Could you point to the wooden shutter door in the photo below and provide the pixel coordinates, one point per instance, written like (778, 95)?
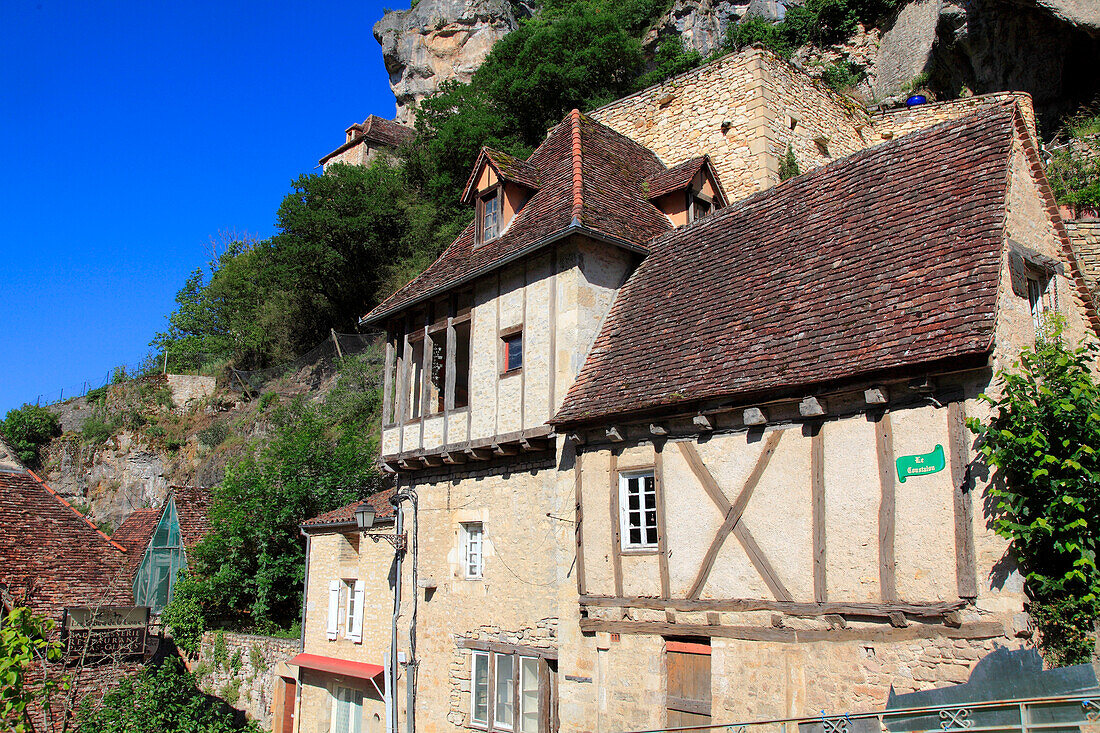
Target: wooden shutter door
(688, 683)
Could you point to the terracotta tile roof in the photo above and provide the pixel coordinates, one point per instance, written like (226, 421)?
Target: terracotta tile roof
(134, 534)
(192, 507)
(137, 529)
(592, 181)
(51, 555)
(377, 130)
(509, 167)
(886, 259)
(387, 132)
(676, 177)
(346, 514)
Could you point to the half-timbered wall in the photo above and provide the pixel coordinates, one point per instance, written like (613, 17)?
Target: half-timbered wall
(790, 514)
(557, 298)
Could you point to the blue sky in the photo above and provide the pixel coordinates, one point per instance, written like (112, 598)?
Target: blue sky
(133, 132)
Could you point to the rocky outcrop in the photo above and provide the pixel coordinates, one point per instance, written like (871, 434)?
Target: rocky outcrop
(438, 40)
(1048, 48)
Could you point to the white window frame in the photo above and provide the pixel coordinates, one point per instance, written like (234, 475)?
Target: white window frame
(353, 609)
(625, 511)
(474, 656)
(473, 567)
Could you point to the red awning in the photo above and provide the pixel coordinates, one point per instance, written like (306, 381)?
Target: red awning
(362, 670)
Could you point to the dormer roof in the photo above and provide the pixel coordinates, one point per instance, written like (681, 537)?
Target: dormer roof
(507, 167)
(591, 182)
(680, 176)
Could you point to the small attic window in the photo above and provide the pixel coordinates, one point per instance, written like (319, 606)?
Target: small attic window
(701, 206)
(488, 215)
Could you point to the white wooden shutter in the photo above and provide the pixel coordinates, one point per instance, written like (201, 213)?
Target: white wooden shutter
(357, 616)
(333, 608)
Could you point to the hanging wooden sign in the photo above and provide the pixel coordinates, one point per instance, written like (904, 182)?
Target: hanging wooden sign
(921, 464)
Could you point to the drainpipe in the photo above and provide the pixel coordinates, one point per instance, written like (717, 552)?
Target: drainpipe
(413, 664)
(399, 527)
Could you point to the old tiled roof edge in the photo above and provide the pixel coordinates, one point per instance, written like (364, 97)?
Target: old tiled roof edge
(571, 415)
(530, 177)
(1031, 150)
(378, 315)
(75, 511)
(344, 516)
(578, 167)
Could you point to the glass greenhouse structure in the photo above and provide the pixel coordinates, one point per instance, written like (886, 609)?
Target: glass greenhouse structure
(163, 559)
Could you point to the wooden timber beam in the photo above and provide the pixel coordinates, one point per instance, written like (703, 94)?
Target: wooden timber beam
(930, 609)
(980, 630)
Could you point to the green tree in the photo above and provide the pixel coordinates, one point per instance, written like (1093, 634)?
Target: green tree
(183, 615)
(249, 568)
(1042, 439)
(27, 430)
(162, 698)
(25, 652)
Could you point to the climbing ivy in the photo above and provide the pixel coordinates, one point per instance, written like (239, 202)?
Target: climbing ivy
(1042, 439)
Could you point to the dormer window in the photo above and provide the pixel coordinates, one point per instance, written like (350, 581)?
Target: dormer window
(488, 207)
(701, 205)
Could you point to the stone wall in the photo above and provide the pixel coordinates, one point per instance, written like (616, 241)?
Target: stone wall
(1084, 237)
(187, 387)
(892, 123)
(242, 669)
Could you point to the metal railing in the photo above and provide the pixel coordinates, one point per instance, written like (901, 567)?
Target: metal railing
(1026, 715)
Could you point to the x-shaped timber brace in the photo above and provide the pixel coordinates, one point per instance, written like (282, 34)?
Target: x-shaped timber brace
(733, 522)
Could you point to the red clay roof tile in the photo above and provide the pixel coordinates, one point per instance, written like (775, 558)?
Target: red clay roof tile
(345, 515)
(51, 555)
(591, 177)
(885, 259)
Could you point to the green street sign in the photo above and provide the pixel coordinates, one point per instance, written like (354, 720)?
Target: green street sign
(922, 464)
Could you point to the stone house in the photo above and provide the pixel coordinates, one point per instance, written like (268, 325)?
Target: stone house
(346, 626)
(675, 444)
(368, 139)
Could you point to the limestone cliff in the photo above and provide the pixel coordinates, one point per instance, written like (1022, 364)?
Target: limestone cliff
(438, 40)
(1049, 48)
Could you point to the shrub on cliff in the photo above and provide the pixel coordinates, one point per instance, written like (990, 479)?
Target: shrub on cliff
(248, 570)
(27, 430)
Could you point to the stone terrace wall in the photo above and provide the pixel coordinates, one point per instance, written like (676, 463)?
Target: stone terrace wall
(893, 123)
(187, 387)
(1084, 237)
(819, 124)
(241, 669)
(718, 108)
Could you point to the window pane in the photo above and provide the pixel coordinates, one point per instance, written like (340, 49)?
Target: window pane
(462, 364)
(437, 380)
(513, 352)
(528, 695)
(502, 713)
(473, 533)
(480, 689)
(394, 363)
(416, 373)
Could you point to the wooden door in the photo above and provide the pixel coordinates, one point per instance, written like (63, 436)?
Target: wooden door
(285, 694)
(688, 701)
